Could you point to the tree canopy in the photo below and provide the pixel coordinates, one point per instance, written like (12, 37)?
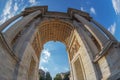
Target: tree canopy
(58, 77)
(48, 76)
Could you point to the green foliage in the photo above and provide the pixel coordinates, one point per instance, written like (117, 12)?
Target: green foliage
(58, 77)
(62, 76)
(66, 77)
(48, 76)
(42, 78)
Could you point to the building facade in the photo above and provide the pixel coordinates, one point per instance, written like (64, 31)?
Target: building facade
(94, 53)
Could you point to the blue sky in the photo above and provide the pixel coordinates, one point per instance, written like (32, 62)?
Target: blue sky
(106, 12)
(54, 58)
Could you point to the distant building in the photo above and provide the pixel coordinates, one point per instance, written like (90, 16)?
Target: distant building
(65, 75)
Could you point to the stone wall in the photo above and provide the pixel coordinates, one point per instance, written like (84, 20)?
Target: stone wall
(86, 44)
(25, 64)
(7, 64)
(110, 63)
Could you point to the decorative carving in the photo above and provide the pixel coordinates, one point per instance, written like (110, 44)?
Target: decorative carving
(36, 44)
(74, 47)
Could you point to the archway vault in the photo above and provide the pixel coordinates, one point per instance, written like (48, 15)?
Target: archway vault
(56, 30)
(92, 50)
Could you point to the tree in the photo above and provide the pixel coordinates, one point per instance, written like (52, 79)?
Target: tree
(66, 76)
(58, 77)
(48, 76)
(41, 74)
(42, 78)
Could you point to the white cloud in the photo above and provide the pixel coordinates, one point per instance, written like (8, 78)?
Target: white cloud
(32, 1)
(15, 7)
(112, 28)
(81, 8)
(45, 56)
(7, 9)
(116, 6)
(3, 20)
(44, 68)
(92, 10)
(6, 12)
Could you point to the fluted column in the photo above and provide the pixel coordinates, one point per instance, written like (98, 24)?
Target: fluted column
(110, 36)
(99, 36)
(9, 21)
(18, 26)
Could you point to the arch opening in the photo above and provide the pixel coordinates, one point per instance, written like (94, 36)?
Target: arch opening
(55, 30)
(54, 58)
(58, 30)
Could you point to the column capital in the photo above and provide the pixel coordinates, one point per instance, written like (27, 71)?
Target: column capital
(72, 11)
(98, 35)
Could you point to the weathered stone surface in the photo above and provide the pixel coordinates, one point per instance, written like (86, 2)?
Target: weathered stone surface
(7, 64)
(11, 32)
(84, 44)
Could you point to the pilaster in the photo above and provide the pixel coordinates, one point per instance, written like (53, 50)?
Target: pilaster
(11, 33)
(100, 37)
(110, 36)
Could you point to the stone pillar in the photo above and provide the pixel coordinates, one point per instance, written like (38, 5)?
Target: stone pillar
(99, 36)
(9, 21)
(18, 26)
(110, 36)
(87, 50)
(71, 69)
(87, 39)
(27, 36)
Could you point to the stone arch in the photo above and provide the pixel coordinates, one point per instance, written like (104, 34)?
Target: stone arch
(50, 29)
(56, 30)
(20, 44)
(59, 27)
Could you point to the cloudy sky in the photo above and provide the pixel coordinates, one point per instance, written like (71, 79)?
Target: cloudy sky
(54, 58)
(106, 12)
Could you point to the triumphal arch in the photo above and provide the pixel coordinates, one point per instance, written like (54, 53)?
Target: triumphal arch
(94, 53)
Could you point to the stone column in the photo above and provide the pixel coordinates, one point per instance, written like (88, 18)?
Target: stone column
(99, 36)
(25, 37)
(86, 38)
(90, 51)
(110, 36)
(9, 21)
(71, 69)
(18, 26)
